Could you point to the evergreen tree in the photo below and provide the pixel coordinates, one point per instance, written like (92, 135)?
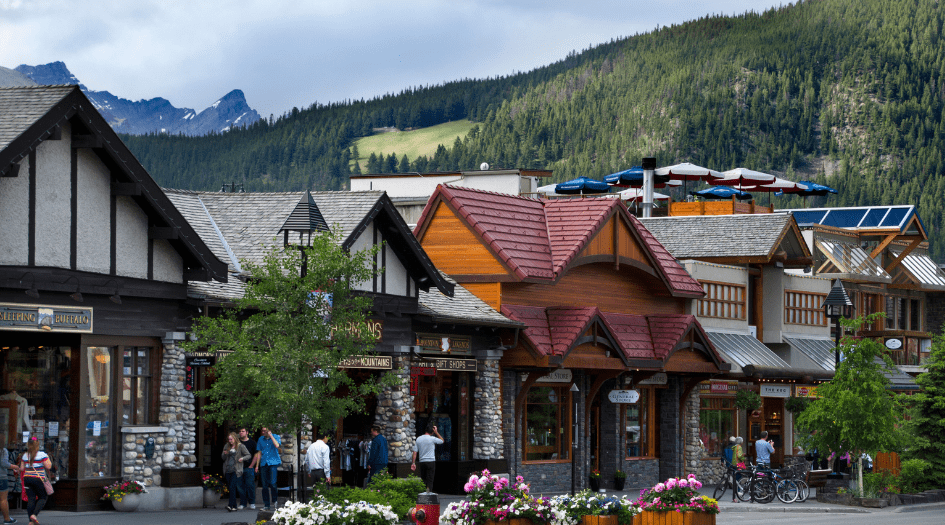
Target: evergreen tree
(927, 410)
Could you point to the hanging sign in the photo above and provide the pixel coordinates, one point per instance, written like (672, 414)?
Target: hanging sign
(444, 364)
(562, 375)
(656, 379)
(374, 362)
(805, 391)
(41, 318)
(624, 396)
(893, 343)
(775, 390)
(444, 344)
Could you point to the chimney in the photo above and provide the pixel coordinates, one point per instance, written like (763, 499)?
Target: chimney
(649, 165)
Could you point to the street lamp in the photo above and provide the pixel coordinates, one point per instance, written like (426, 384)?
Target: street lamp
(305, 221)
(837, 305)
(574, 441)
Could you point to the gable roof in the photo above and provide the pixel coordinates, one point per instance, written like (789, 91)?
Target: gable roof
(538, 239)
(244, 226)
(30, 115)
(730, 236)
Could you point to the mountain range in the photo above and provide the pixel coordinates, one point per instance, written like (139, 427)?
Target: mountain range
(141, 117)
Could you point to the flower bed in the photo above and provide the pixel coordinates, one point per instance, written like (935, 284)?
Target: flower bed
(322, 512)
(118, 490)
(677, 494)
(590, 504)
(494, 499)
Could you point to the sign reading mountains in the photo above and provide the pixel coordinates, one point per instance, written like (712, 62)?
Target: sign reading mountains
(143, 116)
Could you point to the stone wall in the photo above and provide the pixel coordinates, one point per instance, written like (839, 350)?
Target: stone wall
(395, 415)
(671, 446)
(174, 437)
(934, 312)
(488, 440)
(706, 470)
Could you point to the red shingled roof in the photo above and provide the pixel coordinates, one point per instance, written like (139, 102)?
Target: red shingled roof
(537, 239)
(553, 331)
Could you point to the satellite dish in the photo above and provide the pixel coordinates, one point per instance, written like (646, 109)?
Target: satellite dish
(484, 166)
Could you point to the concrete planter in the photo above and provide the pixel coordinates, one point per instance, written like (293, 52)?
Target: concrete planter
(128, 503)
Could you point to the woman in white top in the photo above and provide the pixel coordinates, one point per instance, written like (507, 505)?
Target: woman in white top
(34, 464)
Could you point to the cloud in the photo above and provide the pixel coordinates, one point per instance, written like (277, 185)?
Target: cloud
(286, 54)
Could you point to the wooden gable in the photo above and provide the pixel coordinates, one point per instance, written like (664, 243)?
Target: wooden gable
(457, 250)
(614, 241)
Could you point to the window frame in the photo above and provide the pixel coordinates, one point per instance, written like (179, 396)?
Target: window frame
(711, 305)
(808, 310)
(565, 420)
(133, 379)
(734, 417)
(648, 395)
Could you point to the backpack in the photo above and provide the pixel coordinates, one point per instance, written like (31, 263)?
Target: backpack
(728, 453)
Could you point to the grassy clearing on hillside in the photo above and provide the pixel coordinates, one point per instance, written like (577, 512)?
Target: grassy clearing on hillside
(412, 143)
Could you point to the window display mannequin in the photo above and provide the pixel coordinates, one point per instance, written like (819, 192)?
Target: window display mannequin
(22, 411)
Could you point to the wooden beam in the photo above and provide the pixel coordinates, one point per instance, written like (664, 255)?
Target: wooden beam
(55, 133)
(13, 170)
(155, 232)
(882, 246)
(87, 141)
(131, 189)
(903, 254)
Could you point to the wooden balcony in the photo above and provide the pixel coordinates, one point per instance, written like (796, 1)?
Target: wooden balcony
(732, 207)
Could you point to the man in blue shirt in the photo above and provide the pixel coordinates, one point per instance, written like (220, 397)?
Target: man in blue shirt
(763, 450)
(269, 461)
(377, 460)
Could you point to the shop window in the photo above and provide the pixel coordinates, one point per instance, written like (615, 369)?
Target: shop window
(136, 385)
(722, 300)
(98, 409)
(716, 424)
(547, 423)
(804, 308)
(636, 419)
(914, 316)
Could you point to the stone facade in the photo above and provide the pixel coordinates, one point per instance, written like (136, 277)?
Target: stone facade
(395, 414)
(706, 470)
(488, 439)
(175, 437)
(671, 446)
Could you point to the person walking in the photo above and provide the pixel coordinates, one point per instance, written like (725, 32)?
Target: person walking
(738, 457)
(424, 451)
(377, 460)
(269, 446)
(5, 484)
(318, 459)
(763, 450)
(34, 464)
(248, 494)
(234, 454)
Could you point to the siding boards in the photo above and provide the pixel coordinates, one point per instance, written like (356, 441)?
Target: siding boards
(603, 242)
(456, 250)
(490, 293)
(623, 291)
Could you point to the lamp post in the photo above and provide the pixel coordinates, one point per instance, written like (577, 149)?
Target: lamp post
(837, 305)
(574, 440)
(305, 221)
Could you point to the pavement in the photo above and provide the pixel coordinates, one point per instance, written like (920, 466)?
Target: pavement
(219, 515)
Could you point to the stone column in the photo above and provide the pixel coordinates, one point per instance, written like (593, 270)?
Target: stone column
(395, 414)
(488, 440)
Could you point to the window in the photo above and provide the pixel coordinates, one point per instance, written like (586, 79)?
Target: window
(136, 385)
(716, 424)
(914, 316)
(723, 300)
(637, 431)
(804, 308)
(98, 432)
(547, 423)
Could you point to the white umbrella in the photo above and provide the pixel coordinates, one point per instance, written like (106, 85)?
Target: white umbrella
(743, 177)
(635, 194)
(687, 172)
(548, 191)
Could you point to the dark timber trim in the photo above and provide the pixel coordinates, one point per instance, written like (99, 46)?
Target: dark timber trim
(31, 243)
(74, 208)
(113, 235)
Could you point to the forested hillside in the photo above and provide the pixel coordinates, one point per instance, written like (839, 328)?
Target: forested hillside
(847, 91)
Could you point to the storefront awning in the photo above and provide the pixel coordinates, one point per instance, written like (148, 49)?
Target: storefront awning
(745, 349)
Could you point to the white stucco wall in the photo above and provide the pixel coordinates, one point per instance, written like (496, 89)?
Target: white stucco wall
(395, 273)
(168, 264)
(14, 215)
(53, 202)
(131, 239)
(417, 185)
(94, 223)
(806, 283)
(719, 273)
(772, 282)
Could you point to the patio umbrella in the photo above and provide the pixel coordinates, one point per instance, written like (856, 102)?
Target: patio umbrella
(721, 192)
(636, 194)
(743, 177)
(815, 189)
(687, 172)
(779, 185)
(581, 186)
(633, 178)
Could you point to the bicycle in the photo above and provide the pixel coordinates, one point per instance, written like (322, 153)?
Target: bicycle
(726, 482)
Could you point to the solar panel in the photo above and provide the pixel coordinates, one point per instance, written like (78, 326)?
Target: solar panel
(809, 217)
(860, 217)
(895, 217)
(844, 218)
(873, 217)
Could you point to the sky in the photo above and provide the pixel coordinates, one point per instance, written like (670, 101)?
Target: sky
(293, 53)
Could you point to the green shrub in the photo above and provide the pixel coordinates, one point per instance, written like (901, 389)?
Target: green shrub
(400, 493)
(914, 475)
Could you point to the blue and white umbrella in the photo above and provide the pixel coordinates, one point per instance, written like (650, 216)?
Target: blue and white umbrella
(581, 186)
(722, 192)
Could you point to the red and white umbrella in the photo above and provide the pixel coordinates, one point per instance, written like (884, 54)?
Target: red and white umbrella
(779, 184)
(687, 171)
(743, 177)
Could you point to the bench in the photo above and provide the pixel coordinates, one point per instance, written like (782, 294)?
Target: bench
(817, 478)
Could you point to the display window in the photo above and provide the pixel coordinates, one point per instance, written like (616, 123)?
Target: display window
(548, 423)
(638, 431)
(444, 400)
(716, 424)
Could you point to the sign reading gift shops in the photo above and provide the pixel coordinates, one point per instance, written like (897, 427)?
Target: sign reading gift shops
(429, 367)
(44, 318)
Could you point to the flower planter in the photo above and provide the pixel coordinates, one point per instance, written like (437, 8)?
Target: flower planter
(210, 498)
(599, 520)
(128, 503)
(594, 483)
(513, 521)
(663, 517)
(619, 483)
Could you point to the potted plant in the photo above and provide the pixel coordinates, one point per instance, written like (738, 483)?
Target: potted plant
(620, 479)
(214, 488)
(747, 400)
(590, 508)
(500, 501)
(124, 495)
(594, 480)
(676, 502)
(323, 511)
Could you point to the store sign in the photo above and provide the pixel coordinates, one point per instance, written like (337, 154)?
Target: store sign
(775, 390)
(41, 318)
(624, 396)
(656, 379)
(894, 343)
(722, 387)
(805, 391)
(372, 362)
(562, 375)
(443, 364)
(449, 344)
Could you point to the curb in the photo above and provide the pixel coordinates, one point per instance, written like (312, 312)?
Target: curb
(920, 507)
(794, 510)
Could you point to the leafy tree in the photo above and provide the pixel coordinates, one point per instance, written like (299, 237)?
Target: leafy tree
(855, 413)
(288, 341)
(926, 425)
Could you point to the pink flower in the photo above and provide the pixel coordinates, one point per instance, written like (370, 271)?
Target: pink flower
(696, 484)
(659, 488)
(683, 483)
(671, 483)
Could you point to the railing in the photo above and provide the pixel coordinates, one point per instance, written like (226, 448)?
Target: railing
(680, 209)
